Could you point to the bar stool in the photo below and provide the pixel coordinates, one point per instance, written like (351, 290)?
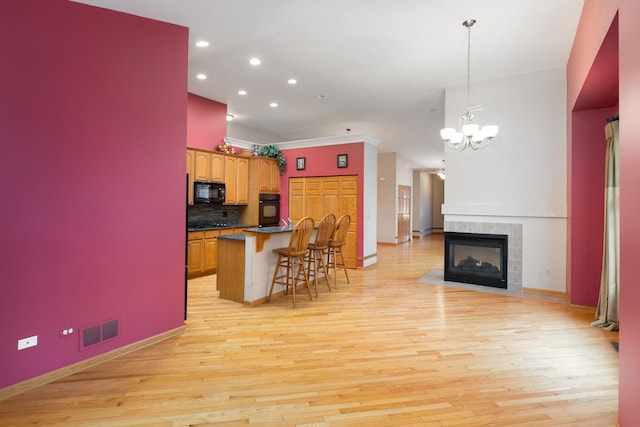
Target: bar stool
(291, 259)
(335, 259)
(319, 248)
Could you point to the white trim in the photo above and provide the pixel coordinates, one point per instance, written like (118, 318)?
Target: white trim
(505, 210)
(306, 143)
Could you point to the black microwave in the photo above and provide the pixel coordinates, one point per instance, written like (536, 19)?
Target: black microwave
(208, 192)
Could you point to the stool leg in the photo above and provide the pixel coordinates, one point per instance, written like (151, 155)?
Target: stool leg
(323, 266)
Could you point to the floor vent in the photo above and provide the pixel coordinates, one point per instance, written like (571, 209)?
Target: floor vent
(96, 334)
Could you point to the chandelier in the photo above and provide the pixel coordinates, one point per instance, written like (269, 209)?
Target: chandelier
(469, 134)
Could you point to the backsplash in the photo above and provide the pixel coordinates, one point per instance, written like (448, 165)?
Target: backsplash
(198, 214)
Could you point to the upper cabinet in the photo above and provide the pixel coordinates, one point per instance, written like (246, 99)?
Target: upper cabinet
(190, 175)
(209, 166)
(202, 170)
(269, 174)
(217, 167)
(236, 179)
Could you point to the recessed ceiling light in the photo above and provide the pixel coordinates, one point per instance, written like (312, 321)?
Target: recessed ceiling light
(242, 92)
(320, 96)
(255, 61)
(292, 81)
(201, 76)
(273, 104)
(202, 43)
(229, 117)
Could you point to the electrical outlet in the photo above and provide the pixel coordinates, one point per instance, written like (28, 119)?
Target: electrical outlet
(27, 342)
(66, 332)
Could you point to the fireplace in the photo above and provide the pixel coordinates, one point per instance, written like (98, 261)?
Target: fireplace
(479, 259)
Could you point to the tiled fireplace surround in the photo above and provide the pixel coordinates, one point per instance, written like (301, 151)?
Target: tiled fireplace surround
(514, 247)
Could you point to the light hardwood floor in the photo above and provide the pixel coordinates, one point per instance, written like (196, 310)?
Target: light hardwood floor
(381, 351)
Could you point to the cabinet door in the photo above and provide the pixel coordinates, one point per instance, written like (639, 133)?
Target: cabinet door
(242, 181)
(349, 205)
(202, 166)
(195, 253)
(296, 199)
(210, 250)
(217, 167)
(230, 180)
(274, 172)
(264, 172)
(313, 206)
(190, 171)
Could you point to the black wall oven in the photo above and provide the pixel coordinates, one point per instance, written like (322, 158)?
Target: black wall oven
(269, 210)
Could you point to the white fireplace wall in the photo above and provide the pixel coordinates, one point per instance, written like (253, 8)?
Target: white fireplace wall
(521, 177)
(537, 256)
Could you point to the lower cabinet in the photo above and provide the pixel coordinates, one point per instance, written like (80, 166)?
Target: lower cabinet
(202, 251)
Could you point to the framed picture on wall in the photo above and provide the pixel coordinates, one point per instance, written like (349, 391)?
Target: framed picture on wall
(342, 161)
(301, 163)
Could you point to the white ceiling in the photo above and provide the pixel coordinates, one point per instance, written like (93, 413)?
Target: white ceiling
(381, 65)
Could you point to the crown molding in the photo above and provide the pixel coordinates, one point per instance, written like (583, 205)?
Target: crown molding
(307, 143)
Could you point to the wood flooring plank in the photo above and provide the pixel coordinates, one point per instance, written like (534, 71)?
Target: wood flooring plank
(383, 350)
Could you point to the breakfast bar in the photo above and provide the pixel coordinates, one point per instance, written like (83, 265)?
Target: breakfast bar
(246, 263)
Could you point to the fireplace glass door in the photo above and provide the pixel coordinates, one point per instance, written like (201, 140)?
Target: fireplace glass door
(479, 259)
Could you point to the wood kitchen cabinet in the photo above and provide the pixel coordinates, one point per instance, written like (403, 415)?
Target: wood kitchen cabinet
(208, 166)
(268, 174)
(264, 178)
(202, 251)
(210, 245)
(217, 167)
(236, 179)
(190, 173)
(195, 253)
(202, 169)
(318, 196)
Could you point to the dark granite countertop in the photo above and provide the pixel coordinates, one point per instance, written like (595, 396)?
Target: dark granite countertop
(270, 230)
(240, 237)
(208, 227)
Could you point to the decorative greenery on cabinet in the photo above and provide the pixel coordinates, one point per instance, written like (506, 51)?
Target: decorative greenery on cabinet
(274, 152)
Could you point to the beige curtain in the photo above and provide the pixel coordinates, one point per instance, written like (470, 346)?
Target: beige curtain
(607, 311)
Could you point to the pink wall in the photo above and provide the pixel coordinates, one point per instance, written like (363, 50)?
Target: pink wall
(630, 212)
(206, 122)
(597, 17)
(322, 161)
(93, 112)
(586, 205)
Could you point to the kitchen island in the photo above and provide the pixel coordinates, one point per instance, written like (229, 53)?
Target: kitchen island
(246, 263)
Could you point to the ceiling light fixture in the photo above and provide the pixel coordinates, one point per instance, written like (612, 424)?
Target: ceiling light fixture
(229, 117)
(242, 92)
(292, 81)
(469, 134)
(273, 105)
(202, 43)
(201, 76)
(255, 61)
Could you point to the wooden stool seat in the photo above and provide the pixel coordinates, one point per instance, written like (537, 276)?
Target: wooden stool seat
(319, 249)
(290, 270)
(335, 259)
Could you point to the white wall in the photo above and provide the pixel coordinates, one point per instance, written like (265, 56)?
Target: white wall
(437, 191)
(387, 218)
(236, 130)
(521, 176)
(393, 170)
(422, 211)
(370, 238)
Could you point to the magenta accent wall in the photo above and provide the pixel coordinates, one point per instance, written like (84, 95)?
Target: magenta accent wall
(323, 161)
(206, 122)
(596, 20)
(92, 227)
